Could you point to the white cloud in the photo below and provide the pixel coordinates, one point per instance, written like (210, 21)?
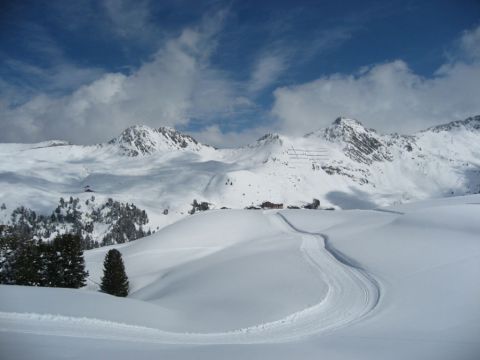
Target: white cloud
(470, 43)
(388, 97)
(266, 71)
(213, 135)
(177, 84)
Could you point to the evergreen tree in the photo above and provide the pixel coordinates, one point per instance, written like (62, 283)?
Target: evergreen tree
(114, 280)
(28, 264)
(7, 267)
(52, 271)
(56, 264)
(66, 266)
(8, 255)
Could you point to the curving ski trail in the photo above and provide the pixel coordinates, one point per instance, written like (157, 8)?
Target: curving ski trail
(351, 295)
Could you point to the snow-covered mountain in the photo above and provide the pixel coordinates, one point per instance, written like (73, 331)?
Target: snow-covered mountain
(142, 140)
(162, 170)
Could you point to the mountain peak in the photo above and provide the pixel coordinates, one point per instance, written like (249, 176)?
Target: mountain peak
(346, 129)
(344, 121)
(269, 141)
(359, 143)
(269, 138)
(142, 140)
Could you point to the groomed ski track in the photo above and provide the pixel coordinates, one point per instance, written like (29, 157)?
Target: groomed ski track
(351, 295)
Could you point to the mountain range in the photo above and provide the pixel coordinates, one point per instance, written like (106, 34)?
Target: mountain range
(162, 171)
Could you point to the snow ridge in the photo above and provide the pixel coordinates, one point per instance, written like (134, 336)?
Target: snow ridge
(471, 124)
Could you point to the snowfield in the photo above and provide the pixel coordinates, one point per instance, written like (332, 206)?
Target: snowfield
(389, 283)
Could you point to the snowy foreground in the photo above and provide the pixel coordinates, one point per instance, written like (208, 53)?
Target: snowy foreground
(391, 283)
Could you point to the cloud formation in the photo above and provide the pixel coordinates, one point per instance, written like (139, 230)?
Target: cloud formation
(214, 135)
(189, 80)
(177, 84)
(266, 71)
(389, 97)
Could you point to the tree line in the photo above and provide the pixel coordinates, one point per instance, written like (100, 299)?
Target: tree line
(59, 263)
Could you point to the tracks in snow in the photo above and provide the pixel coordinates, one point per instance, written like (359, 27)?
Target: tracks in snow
(351, 295)
(352, 290)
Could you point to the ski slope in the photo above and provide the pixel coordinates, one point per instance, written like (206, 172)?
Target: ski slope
(390, 283)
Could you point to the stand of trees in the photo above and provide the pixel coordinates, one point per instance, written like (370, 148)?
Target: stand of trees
(196, 206)
(35, 263)
(123, 222)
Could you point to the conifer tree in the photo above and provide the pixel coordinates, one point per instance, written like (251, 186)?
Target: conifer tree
(114, 280)
(51, 266)
(9, 245)
(66, 264)
(28, 264)
(7, 267)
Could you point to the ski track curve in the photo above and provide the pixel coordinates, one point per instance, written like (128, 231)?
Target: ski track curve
(351, 295)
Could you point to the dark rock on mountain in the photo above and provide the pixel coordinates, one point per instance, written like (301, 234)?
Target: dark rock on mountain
(143, 140)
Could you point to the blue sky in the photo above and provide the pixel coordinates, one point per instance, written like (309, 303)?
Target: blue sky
(228, 71)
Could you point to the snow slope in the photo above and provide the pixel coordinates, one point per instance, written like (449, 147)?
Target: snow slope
(387, 283)
(345, 165)
(293, 271)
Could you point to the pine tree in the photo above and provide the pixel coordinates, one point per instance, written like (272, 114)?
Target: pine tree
(114, 280)
(52, 272)
(8, 255)
(28, 265)
(7, 267)
(66, 266)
